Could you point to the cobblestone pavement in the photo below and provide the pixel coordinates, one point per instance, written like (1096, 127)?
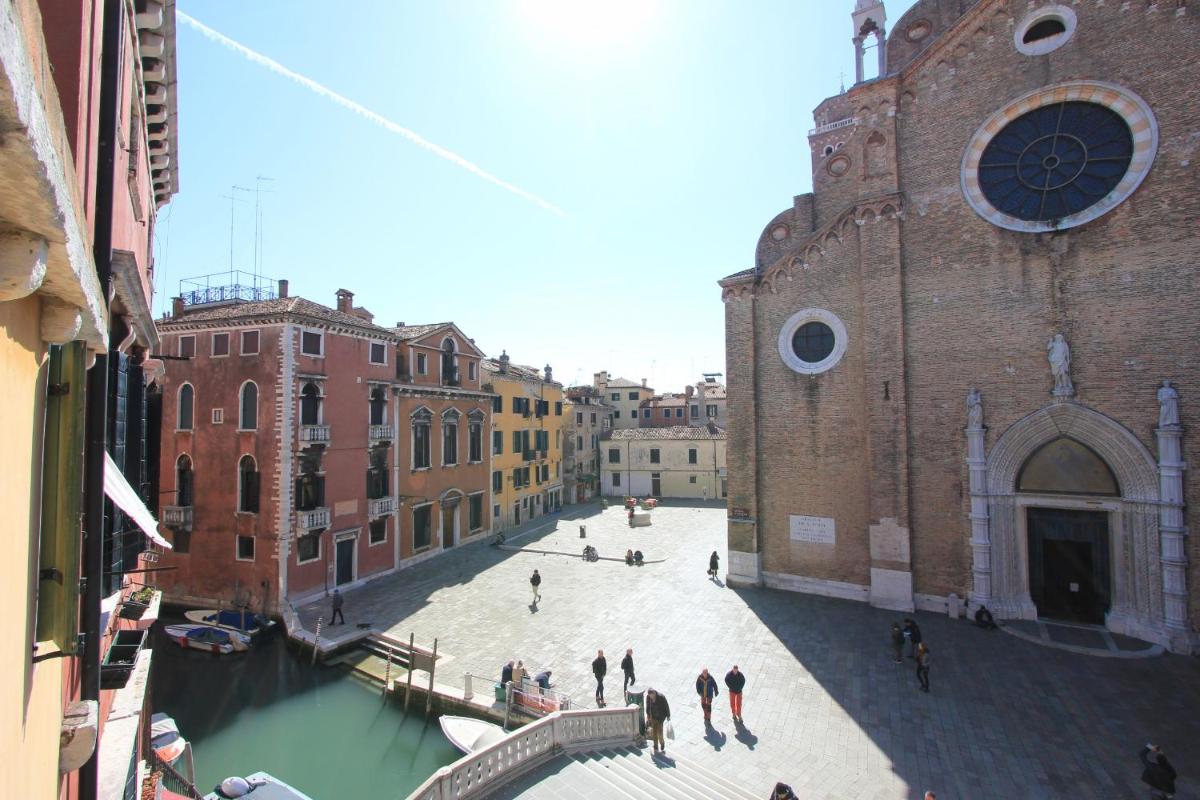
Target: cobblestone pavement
(826, 708)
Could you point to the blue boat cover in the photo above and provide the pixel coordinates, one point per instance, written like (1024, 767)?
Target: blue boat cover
(210, 635)
(234, 620)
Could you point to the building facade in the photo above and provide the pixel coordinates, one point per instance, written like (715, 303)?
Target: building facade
(88, 106)
(665, 410)
(624, 396)
(527, 442)
(680, 461)
(585, 419)
(959, 359)
(708, 402)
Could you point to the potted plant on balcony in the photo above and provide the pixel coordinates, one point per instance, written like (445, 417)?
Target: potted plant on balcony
(137, 603)
(120, 659)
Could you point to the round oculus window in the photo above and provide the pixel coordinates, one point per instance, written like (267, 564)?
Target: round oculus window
(812, 341)
(1059, 157)
(1055, 161)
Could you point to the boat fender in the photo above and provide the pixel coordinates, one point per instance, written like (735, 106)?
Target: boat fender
(235, 787)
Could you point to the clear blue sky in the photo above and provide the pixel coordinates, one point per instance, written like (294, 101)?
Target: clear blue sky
(668, 132)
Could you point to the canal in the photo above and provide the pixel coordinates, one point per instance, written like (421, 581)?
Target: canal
(321, 729)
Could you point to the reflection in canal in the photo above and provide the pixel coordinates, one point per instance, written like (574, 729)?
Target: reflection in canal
(319, 729)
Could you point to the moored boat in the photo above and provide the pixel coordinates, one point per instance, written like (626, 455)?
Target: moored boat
(469, 734)
(257, 786)
(208, 638)
(241, 621)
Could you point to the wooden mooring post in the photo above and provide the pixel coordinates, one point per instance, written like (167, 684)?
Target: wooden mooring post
(432, 669)
(387, 673)
(408, 690)
(317, 639)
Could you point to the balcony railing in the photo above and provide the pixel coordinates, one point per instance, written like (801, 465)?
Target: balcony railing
(530, 455)
(380, 507)
(314, 434)
(313, 519)
(380, 433)
(177, 517)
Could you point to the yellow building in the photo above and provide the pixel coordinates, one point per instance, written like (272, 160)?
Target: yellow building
(527, 442)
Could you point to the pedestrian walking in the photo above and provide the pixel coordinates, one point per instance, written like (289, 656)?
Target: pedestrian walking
(627, 668)
(782, 792)
(658, 713)
(535, 580)
(599, 668)
(338, 601)
(1158, 773)
(706, 687)
(713, 564)
(912, 632)
(735, 681)
(898, 642)
(923, 659)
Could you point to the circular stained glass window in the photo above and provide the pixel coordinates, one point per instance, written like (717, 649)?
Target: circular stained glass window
(1055, 161)
(813, 342)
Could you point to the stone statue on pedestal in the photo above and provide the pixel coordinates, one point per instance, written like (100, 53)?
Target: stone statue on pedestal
(1168, 405)
(974, 409)
(1059, 354)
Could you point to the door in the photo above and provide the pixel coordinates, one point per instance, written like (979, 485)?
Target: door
(345, 562)
(656, 485)
(449, 517)
(1069, 564)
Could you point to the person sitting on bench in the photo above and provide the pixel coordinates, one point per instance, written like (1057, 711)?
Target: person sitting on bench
(637, 557)
(629, 557)
(983, 618)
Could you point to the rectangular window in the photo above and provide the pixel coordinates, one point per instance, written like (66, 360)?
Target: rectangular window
(475, 442)
(695, 412)
(187, 346)
(516, 441)
(615, 396)
(557, 408)
(525, 476)
(693, 455)
(421, 364)
(617, 414)
(616, 479)
(579, 443)
(378, 353)
(308, 548)
(497, 481)
(711, 410)
(595, 441)
(545, 472)
(249, 343)
(497, 443)
(691, 478)
(378, 531)
(579, 417)
(420, 445)
(498, 404)
(666, 413)
(633, 395)
(679, 413)
(312, 343)
(645, 413)
(220, 345)
(218, 416)
(516, 476)
(495, 512)
(476, 511)
(516, 405)
(449, 443)
(421, 527)
(471, 366)
(245, 548)
(655, 455)
(614, 455)
(593, 417)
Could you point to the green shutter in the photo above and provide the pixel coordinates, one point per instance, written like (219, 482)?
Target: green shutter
(62, 497)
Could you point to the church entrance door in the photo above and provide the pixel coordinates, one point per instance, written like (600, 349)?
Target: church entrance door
(1069, 572)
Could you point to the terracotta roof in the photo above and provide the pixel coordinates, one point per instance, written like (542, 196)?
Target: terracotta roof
(625, 383)
(519, 371)
(417, 331)
(680, 432)
(743, 274)
(269, 308)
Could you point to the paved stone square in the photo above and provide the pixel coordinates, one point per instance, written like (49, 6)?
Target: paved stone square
(826, 708)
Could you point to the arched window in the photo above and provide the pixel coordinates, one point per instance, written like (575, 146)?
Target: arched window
(1064, 466)
(421, 423)
(449, 371)
(249, 418)
(378, 406)
(248, 485)
(183, 481)
(310, 405)
(187, 403)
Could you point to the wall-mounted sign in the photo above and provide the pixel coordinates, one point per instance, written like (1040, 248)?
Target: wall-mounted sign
(739, 513)
(813, 530)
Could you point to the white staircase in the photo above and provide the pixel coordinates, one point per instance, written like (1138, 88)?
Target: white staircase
(621, 773)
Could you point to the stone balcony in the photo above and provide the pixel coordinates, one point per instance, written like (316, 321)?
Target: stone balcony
(312, 519)
(380, 433)
(178, 517)
(380, 507)
(314, 434)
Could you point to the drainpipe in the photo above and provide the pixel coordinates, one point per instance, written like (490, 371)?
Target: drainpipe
(96, 421)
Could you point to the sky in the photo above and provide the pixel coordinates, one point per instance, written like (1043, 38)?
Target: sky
(566, 180)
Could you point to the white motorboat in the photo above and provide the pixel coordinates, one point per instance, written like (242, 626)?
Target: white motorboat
(469, 734)
(208, 638)
(258, 786)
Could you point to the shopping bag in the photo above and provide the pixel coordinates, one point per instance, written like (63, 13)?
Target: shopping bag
(669, 730)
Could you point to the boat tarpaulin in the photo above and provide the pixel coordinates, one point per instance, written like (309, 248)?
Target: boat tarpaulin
(121, 493)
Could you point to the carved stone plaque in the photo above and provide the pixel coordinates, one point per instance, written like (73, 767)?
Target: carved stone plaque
(813, 530)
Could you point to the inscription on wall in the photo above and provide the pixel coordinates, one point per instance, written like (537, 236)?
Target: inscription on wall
(814, 530)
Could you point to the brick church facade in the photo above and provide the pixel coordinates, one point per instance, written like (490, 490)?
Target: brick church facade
(965, 364)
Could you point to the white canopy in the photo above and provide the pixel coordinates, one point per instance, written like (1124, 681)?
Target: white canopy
(121, 493)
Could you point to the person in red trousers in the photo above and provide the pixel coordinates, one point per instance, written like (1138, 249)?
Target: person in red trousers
(735, 681)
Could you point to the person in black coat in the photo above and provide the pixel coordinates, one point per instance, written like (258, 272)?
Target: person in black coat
(506, 674)
(782, 792)
(627, 668)
(912, 632)
(706, 687)
(714, 564)
(657, 714)
(735, 681)
(599, 668)
(1158, 772)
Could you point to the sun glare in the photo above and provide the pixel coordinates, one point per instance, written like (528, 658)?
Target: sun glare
(580, 24)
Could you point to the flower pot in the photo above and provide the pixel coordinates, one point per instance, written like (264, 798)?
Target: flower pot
(121, 658)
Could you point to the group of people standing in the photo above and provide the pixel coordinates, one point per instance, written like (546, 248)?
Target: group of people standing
(917, 649)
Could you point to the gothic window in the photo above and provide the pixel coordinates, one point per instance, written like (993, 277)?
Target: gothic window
(450, 438)
(183, 481)
(421, 423)
(449, 370)
(475, 440)
(378, 406)
(249, 407)
(248, 485)
(1064, 466)
(187, 403)
(310, 405)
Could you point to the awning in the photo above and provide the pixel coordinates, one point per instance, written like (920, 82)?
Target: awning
(121, 493)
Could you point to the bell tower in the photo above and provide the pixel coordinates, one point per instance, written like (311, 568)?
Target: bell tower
(870, 19)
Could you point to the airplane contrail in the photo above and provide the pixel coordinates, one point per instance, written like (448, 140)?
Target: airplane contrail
(357, 108)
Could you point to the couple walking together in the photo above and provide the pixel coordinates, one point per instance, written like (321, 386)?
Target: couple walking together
(706, 687)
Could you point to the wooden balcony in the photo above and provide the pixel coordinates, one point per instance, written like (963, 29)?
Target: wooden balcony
(178, 517)
(314, 434)
(313, 519)
(380, 433)
(380, 507)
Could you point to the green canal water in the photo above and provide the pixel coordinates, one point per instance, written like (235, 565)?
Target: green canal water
(318, 728)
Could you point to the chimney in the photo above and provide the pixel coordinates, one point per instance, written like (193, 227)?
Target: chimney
(400, 324)
(503, 360)
(643, 383)
(549, 374)
(345, 301)
(176, 306)
(688, 392)
(283, 289)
